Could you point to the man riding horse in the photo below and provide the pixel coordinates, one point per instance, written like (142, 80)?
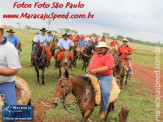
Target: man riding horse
(43, 39)
(102, 66)
(81, 44)
(125, 51)
(13, 39)
(64, 44)
(114, 42)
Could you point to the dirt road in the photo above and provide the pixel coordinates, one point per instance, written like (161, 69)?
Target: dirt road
(148, 77)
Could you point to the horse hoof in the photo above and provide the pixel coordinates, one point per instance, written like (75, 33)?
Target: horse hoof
(38, 85)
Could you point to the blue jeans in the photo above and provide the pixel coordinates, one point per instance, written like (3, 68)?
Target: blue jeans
(106, 82)
(7, 89)
(130, 72)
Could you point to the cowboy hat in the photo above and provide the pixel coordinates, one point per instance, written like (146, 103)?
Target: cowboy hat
(103, 36)
(102, 44)
(49, 32)
(115, 38)
(65, 35)
(10, 31)
(124, 40)
(43, 29)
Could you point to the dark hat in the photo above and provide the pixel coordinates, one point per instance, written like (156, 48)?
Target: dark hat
(10, 31)
(103, 36)
(65, 35)
(49, 32)
(43, 29)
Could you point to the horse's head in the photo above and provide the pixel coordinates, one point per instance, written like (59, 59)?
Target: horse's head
(64, 87)
(116, 58)
(66, 59)
(35, 48)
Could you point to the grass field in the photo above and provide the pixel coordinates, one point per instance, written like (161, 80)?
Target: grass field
(139, 99)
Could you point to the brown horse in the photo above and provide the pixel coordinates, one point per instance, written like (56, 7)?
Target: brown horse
(65, 62)
(81, 88)
(114, 50)
(119, 70)
(53, 46)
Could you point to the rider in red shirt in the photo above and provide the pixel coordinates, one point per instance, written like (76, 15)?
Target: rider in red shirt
(114, 42)
(102, 66)
(126, 51)
(70, 37)
(103, 39)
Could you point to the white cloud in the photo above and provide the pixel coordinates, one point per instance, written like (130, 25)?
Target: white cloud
(140, 19)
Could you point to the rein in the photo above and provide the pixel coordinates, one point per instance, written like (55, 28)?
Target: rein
(62, 99)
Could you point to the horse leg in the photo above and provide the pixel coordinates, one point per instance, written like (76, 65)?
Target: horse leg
(37, 71)
(87, 115)
(43, 69)
(108, 110)
(126, 79)
(83, 65)
(121, 82)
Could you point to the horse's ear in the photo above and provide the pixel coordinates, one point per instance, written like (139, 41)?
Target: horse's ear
(120, 54)
(66, 74)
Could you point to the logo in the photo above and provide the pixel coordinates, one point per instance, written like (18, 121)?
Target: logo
(17, 112)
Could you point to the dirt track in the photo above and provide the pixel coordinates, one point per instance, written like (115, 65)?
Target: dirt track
(147, 77)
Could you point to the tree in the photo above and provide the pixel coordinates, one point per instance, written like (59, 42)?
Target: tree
(49, 23)
(94, 35)
(119, 37)
(107, 35)
(67, 30)
(19, 24)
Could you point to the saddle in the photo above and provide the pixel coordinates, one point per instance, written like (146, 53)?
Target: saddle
(114, 90)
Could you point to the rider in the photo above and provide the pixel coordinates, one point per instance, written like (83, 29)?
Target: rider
(114, 42)
(50, 36)
(64, 44)
(70, 37)
(101, 65)
(97, 39)
(89, 43)
(103, 39)
(126, 51)
(81, 44)
(44, 41)
(9, 66)
(12, 38)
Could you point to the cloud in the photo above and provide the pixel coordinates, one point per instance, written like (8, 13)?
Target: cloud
(138, 19)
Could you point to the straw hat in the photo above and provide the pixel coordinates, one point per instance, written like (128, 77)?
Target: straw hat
(115, 38)
(125, 40)
(102, 44)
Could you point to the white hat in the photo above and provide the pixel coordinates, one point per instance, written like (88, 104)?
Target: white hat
(124, 40)
(102, 44)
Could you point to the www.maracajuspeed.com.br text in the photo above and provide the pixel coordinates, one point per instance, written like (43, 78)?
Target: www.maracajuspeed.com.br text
(48, 16)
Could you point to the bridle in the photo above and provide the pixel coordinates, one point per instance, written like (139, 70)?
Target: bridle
(62, 99)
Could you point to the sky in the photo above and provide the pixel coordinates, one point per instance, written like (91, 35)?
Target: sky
(139, 19)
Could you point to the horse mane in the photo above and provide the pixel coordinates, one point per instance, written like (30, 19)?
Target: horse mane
(85, 79)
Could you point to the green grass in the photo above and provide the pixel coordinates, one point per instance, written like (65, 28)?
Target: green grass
(139, 99)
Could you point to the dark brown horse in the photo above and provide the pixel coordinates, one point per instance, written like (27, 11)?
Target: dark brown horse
(40, 60)
(86, 56)
(119, 70)
(81, 88)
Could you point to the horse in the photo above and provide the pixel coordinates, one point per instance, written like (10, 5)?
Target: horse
(114, 50)
(86, 56)
(65, 62)
(40, 60)
(82, 89)
(119, 69)
(53, 46)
